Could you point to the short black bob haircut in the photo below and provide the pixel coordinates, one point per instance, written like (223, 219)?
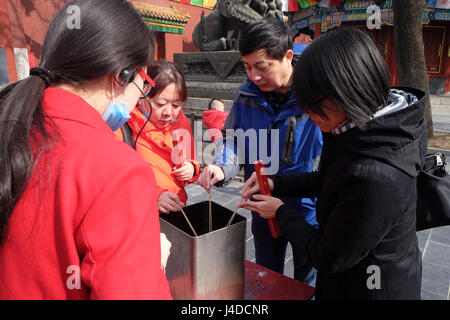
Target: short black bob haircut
(270, 34)
(345, 67)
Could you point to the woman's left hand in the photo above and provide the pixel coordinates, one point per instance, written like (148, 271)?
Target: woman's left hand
(266, 206)
(184, 173)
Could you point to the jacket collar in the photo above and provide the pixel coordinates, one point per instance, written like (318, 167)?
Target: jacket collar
(249, 88)
(63, 104)
(397, 138)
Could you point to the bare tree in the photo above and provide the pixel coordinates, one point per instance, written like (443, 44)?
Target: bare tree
(409, 50)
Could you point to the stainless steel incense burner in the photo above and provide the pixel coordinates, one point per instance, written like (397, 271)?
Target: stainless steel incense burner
(211, 265)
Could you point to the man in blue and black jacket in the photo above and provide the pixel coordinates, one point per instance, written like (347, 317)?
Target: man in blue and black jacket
(265, 123)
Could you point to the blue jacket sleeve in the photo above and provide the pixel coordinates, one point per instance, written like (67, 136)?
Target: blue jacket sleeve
(227, 155)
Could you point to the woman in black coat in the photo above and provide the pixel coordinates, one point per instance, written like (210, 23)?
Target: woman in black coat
(374, 143)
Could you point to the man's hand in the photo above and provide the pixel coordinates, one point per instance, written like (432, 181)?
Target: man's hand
(210, 175)
(169, 202)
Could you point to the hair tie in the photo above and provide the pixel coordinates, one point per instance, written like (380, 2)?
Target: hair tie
(44, 74)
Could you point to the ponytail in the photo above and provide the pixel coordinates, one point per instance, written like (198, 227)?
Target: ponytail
(20, 111)
(102, 47)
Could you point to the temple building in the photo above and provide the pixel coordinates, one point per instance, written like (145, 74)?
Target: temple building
(314, 19)
(25, 23)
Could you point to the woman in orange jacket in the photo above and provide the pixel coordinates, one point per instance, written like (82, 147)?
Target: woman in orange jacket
(163, 135)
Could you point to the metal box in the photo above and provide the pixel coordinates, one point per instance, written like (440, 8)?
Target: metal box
(211, 265)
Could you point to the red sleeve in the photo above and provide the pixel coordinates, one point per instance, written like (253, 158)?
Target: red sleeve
(197, 168)
(119, 239)
(159, 191)
(224, 119)
(185, 124)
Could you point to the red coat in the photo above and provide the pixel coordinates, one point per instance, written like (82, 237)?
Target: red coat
(214, 121)
(90, 207)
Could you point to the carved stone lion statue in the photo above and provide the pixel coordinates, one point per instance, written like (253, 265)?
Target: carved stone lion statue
(220, 29)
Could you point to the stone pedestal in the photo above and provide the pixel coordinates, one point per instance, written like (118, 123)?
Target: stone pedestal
(214, 74)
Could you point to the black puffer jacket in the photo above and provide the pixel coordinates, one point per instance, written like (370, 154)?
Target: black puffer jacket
(366, 188)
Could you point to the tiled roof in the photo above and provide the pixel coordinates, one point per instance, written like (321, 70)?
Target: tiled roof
(172, 14)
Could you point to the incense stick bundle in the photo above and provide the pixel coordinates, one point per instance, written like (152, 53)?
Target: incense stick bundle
(189, 223)
(234, 213)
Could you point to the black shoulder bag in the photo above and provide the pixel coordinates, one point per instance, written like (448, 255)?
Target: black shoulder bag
(433, 193)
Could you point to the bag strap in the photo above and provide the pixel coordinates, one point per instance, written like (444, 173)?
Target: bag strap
(127, 134)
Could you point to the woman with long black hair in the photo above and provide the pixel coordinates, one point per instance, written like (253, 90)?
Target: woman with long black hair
(72, 224)
(374, 144)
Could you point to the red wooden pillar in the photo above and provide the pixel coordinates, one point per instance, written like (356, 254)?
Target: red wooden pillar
(173, 44)
(446, 59)
(317, 29)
